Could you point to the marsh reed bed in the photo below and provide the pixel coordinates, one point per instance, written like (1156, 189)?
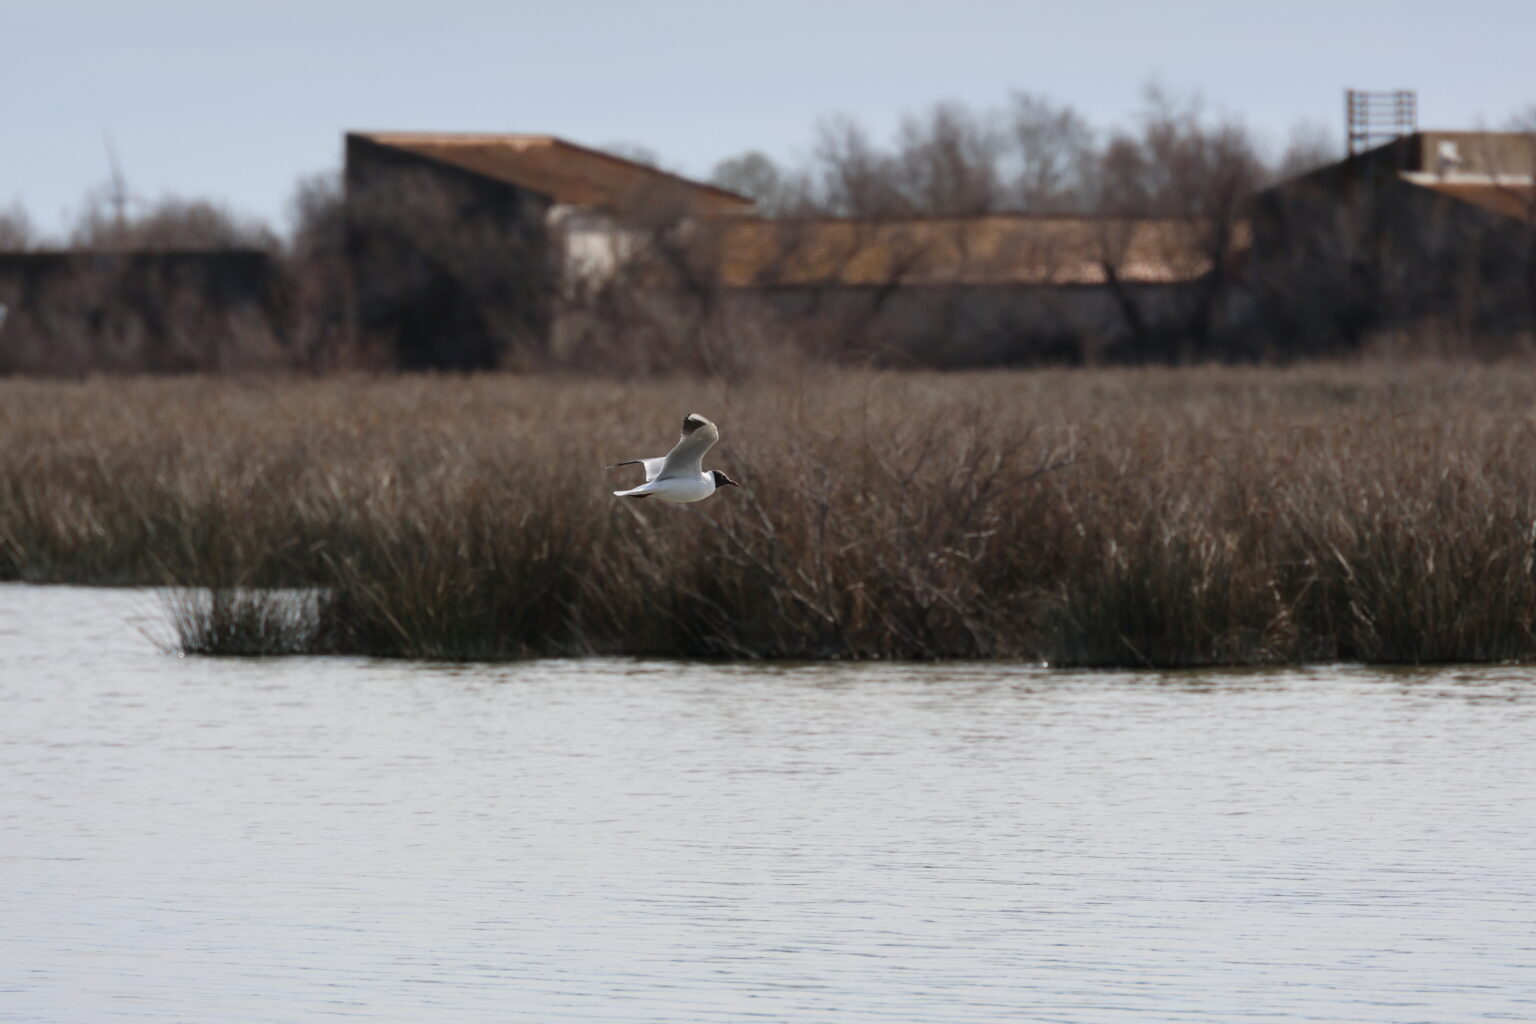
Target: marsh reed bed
(1114, 517)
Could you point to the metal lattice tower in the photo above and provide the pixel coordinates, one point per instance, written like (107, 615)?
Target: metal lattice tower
(1374, 118)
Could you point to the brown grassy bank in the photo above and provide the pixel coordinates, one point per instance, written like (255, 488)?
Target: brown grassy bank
(1191, 517)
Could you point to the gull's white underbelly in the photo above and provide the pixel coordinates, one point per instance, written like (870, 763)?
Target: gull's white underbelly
(684, 489)
(674, 489)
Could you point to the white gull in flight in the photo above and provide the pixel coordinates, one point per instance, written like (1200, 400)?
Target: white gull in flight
(679, 475)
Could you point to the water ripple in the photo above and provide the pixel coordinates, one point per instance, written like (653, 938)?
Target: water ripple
(627, 840)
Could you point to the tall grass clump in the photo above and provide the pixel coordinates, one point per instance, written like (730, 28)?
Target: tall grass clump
(1107, 517)
(232, 621)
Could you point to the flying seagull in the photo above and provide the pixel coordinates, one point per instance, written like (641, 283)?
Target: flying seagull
(679, 475)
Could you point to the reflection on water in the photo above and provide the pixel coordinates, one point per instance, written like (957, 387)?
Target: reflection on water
(242, 840)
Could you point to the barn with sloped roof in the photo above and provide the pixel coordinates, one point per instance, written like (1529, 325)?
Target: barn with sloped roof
(1432, 233)
(459, 244)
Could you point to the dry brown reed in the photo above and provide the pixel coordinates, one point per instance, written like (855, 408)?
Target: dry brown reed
(1111, 517)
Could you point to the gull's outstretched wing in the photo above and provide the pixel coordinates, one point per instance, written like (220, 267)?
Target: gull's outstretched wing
(687, 456)
(652, 466)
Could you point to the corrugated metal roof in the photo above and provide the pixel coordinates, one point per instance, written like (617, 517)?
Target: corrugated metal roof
(564, 171)
(984, 250)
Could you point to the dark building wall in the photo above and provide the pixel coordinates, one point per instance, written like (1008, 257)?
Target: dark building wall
(451, 270)
(952, 326)
(1354, 249)
(152, 312)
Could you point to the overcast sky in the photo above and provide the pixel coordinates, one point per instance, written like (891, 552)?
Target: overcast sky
(234, 102)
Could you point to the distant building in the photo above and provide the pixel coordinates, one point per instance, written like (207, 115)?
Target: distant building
(467, 249)
(461, 244)
(473, 251)
(1432, 228)
(984, 290)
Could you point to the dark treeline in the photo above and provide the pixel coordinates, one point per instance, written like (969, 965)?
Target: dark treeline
(1173, 244)
(1295, 254)
(177, 285)
(1032, 155)
(1177, 162)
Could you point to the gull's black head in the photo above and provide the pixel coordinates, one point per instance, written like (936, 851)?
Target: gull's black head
(721, 480)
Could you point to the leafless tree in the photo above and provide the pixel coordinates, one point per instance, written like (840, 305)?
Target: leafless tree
(447, 273)
(946, 162)
(950, 160)
(170, 223)
(1523, 198)
(657, 305)
(1052, 146)
(1197, 174)
(636, 152)
(16, 229)
(851, 176)
(317, 284)
(776, 190)
(317, 209)
(1310, 145)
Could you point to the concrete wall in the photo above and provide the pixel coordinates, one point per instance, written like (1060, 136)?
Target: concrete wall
(983, 325)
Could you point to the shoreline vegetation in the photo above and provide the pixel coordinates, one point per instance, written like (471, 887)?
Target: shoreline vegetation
(1115, 517)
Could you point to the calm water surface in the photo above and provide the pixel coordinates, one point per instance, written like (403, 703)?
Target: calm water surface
(308, 840)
